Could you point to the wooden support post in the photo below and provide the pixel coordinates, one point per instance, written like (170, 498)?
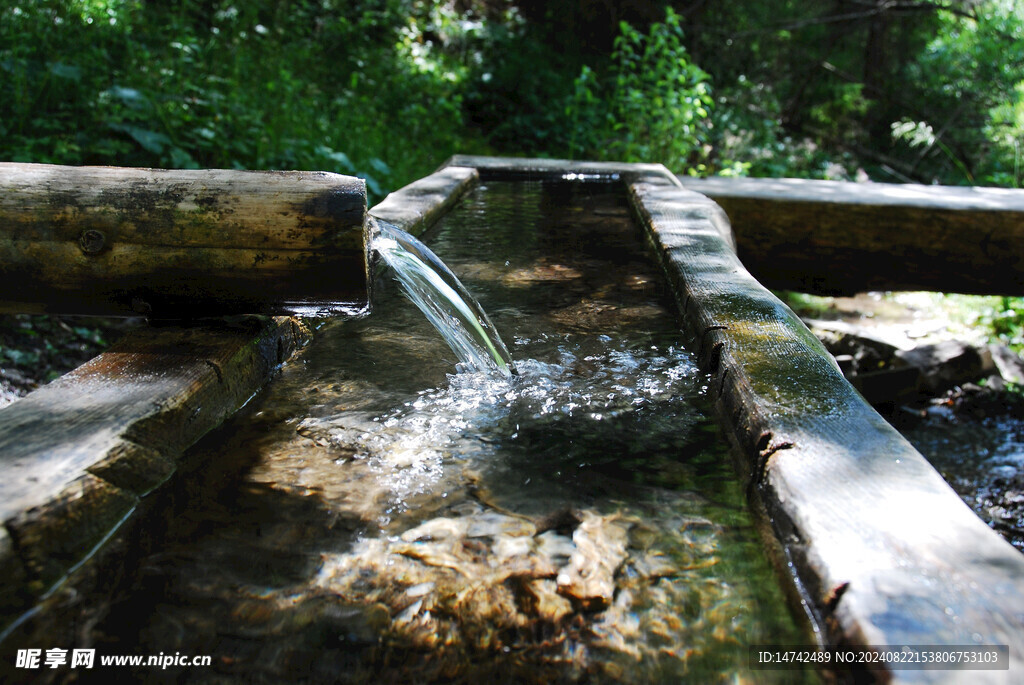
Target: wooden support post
(180, 244)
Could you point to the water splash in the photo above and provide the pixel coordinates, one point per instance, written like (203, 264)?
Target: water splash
(446, 303)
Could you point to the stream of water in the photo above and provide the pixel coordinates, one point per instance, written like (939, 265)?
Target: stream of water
(438, 293)
(373, 517)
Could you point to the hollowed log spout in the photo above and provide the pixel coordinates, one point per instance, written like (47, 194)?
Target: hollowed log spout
(180, 244)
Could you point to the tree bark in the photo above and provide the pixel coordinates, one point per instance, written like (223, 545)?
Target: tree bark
(179, 244)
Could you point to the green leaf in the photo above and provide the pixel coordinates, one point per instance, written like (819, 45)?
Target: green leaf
(67, 71)
(379, 166)
(180, 159)
(151, 141)
(128, 96)
(339, 158)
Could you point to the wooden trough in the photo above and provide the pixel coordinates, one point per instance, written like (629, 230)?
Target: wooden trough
(873, 543)
(880, 549)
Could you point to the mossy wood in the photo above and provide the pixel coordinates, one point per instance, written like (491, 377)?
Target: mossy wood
(167, 243)
(884, 551)
(76, 455)
(839, 238)
(887, 552)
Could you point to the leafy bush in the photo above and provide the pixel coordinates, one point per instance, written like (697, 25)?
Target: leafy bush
(652, 106)
(387, 89)
(1007, 322)
(350, 88)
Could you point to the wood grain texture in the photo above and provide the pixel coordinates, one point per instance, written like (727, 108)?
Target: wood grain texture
(77, 454)
(837, 238)
(170, 243)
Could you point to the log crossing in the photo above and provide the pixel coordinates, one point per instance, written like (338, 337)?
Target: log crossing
(835, 238)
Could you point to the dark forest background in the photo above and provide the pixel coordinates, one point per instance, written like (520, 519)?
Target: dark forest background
(886, 90)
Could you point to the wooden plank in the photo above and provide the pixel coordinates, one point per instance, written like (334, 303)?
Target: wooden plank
(77, 454)
(888, 552)
(839, 238)
(417, 206)
(179, 243)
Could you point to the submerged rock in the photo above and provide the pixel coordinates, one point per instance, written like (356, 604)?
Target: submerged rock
(589, 578)
(493, 585)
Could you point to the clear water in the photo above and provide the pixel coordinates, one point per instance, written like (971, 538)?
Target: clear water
(438, 293)
(375, 518)
(981, 457)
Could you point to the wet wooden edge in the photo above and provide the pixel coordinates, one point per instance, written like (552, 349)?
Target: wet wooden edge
(417, 206)
(885, 550)
(77, 454)
(840, 237)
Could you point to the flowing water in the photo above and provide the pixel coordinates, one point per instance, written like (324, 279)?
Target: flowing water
(981, 455)
(454, 312)
(373, 517)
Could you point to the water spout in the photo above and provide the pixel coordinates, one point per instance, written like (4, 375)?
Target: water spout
(442, 298)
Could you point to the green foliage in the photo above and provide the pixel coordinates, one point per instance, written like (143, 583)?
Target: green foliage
(37, 349)
(819, 89)
(969, 77)
(1006, 322)
(386, 89)
(749, 138)
(652, 106)
(353, 88)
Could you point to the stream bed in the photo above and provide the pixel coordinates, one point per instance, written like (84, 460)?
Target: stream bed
(978, 447)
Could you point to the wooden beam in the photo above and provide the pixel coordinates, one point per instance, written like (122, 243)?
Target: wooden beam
(417, 206)
(830, 237)
(78, 454)
(168, 243)
(887, 552)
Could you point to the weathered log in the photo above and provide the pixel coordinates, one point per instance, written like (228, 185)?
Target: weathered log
(77, 455)
(839, 238)
(167, 243)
